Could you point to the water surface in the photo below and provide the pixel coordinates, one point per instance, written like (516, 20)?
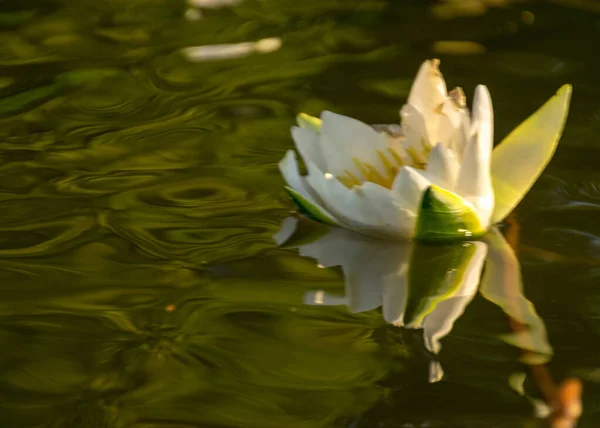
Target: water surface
(139, 195)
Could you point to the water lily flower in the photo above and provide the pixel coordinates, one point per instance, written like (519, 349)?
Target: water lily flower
(423, 286)
(437, 176)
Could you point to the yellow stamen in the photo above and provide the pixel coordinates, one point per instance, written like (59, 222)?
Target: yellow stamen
(417, 160)
(371, 174)
(396, 156)
(349, 180)
(386, 162)
(427, 147)
(361, 167)
(374, 175)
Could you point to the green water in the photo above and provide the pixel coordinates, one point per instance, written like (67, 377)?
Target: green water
(140, 285)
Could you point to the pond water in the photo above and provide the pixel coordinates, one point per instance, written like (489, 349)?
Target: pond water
(140, 283)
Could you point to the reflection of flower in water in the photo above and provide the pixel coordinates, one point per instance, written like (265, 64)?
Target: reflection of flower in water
(427, 287)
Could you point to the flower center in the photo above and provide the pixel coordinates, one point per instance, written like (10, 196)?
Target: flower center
(392, 162)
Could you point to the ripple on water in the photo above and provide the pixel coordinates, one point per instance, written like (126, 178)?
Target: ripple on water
(24, 177)
(151, 359)
(45, 238)
(198, 218)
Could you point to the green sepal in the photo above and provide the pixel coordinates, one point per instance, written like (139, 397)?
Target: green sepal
(520, 158)
(445, 216)
(308, 209)
(436, 273)
(309, 122)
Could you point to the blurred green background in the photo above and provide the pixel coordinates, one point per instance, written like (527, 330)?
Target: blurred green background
(139, 282)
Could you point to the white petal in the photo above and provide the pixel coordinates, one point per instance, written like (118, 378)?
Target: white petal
(454, 127)
(338, 198)
(368, 209)
(455, 114)
(474, 180)
(483, 112)
(442, 167)
(393, 219)
(408, 188)
(445, 132)
(288, 167)
(429, 88)
(344, 138)
(308, 144)
(415, 131)
(395, 139)
(427, 95)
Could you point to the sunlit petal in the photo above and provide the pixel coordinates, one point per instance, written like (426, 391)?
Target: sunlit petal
(394, 220)
(443, 167)
(455, 123)
(416, 142)
(300, 192)
(308, 144)
(288, 166)
(428, 91)
(474, 180)
(344, 139)
(340, 200)
(408, 188)
(367, 209)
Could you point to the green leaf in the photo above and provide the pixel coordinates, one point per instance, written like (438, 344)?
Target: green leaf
(309, 122)
(436, 273)
(445, 216)
(519, 160)
(309, 209)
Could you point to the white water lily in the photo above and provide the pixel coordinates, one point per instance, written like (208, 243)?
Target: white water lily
(435, 177)
(428, 287)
